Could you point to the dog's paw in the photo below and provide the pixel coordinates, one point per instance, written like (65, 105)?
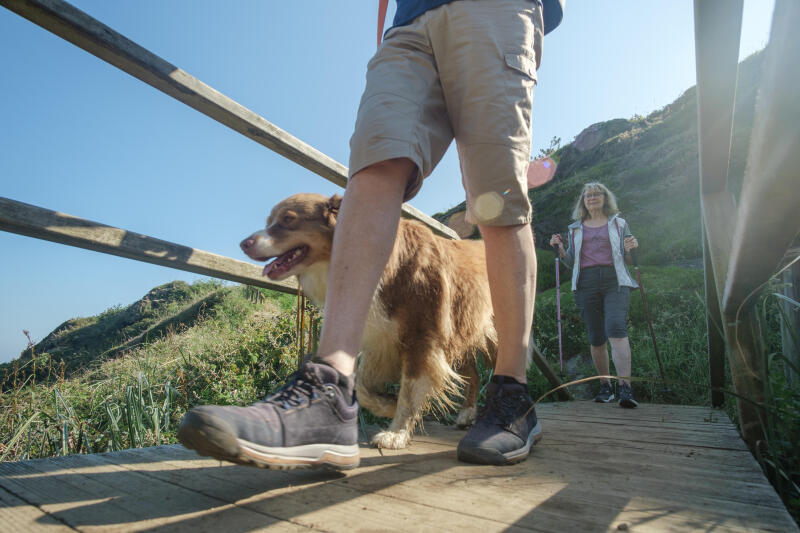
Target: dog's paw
(466, 417)
(391, 440)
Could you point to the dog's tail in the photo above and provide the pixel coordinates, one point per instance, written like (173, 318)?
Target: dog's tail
(447, 385)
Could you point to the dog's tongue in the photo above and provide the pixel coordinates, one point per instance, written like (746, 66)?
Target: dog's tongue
(276, 267)
(269, 269)
(284, 262)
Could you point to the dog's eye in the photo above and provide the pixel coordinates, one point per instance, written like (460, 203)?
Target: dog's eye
(288, 218)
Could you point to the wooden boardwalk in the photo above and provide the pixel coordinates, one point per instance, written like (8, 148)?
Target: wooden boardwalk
(599, 468)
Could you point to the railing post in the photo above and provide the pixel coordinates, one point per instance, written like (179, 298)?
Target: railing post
(716, 341)
(790, 349)
(718, 26)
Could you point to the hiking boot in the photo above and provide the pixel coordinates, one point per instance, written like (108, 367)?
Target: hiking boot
(606, 393)
(311, 421)
(506, 427)
(626, 396)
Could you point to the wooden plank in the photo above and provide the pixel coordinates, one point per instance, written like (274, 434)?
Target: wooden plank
(19, 516)
(75, 26)
(316, 499)
(33, 221)
(768, 214)
(579, 478)
(88, 493)
(698, 416)
(555, 496)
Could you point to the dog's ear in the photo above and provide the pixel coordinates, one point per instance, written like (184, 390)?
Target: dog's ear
(332, 209)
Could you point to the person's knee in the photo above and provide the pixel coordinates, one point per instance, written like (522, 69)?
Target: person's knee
(597, 339)
(616, 329)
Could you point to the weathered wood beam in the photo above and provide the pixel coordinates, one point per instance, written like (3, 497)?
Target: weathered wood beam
(33, 221)
(717, 32)
(75, 26)
(769, 206)
(547, 372)
(790, 326)
(717, 26)
(718, 210)
(714, 326)
(717, 29)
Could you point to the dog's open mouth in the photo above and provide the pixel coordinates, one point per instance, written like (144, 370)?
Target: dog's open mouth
(285, 262)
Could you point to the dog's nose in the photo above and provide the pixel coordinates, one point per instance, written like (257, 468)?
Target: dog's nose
(247, 243)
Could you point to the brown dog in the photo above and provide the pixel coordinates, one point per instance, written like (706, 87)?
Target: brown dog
(430, 317)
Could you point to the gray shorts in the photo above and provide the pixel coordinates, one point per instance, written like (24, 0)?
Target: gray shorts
(603, 304)
(465, 71)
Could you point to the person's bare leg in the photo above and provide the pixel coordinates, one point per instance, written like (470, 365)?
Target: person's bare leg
(373, 200)
(600, 359)
(511, 265)
(621, 352)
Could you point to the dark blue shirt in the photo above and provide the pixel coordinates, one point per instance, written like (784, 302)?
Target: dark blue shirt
(408, 10)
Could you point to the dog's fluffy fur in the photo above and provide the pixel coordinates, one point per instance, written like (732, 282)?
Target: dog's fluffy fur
(430, 318)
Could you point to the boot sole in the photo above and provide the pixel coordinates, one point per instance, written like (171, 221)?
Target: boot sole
(211, 436)
(600, 400)
(493, 457)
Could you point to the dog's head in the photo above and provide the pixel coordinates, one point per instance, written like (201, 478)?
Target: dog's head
(299, 233)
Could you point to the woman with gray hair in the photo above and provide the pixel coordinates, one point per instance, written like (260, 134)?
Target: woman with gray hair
(599, 248)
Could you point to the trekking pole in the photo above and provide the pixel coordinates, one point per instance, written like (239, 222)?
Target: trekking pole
(558, 305)
(665, 389)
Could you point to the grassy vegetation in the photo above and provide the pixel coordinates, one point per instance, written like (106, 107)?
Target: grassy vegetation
(244, 347)
(234, 353)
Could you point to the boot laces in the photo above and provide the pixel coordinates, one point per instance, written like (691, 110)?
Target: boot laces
(299, 390)
(502, 407)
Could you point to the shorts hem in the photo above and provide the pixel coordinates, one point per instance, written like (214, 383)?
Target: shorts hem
(359, 162)
(503, 221)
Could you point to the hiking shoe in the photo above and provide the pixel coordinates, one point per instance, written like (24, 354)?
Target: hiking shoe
(606, 393)
(626, 396)
(311, 421)
(506, 428)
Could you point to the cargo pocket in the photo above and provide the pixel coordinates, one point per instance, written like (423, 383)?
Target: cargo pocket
(522, 64)
(520, 81)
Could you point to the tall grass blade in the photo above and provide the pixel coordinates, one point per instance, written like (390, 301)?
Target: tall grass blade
(20, 430)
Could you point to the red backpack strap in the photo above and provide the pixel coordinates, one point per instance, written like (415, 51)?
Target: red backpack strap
(382, 5)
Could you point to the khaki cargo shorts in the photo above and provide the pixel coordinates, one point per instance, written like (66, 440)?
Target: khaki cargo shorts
(465, 70)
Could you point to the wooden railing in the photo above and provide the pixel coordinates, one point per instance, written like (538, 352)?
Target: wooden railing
(80, 29)
(83, 31)
(87, 33)
(746, 241)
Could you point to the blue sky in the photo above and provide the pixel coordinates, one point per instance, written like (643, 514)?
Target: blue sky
(79, 136)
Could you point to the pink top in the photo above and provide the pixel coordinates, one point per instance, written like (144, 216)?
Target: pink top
(595, 247)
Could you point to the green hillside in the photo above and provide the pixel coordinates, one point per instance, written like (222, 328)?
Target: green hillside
(651, 164)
